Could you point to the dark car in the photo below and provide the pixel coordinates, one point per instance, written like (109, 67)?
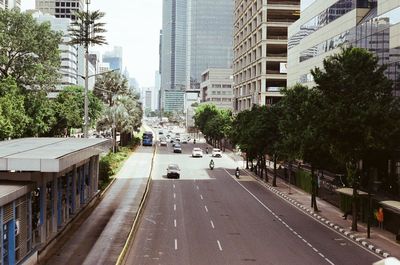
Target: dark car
(173, 171)
(177, 148)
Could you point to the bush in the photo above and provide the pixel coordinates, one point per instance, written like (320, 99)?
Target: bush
(110, 164)
(303, 180)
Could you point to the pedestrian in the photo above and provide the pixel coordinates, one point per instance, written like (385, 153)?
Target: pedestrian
(379, 217)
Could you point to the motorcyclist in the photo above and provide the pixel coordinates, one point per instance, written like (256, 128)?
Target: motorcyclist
(206, 150)
(237, 172)
(211, 164)
(194, 141)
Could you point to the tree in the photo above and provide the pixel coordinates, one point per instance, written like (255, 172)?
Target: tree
(110, 84)
(13, 118)
(29, 51)
(301, 133)
(361, 115)
(68, 107)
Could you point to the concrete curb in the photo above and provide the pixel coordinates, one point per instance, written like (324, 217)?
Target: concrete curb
(353, 237)
(131, 235)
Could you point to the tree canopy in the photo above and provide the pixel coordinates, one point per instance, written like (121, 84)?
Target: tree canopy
(29, 51)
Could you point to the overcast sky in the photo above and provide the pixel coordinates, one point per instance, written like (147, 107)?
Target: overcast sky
(134, 25)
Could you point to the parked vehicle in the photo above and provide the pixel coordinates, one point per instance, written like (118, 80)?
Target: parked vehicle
(197, 152)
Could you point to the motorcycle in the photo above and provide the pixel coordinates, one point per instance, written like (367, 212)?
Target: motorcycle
(206, 150)
(211, 165)
(237, 173)
(194, 141)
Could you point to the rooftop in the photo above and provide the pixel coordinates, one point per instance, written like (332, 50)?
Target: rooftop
(48, 154)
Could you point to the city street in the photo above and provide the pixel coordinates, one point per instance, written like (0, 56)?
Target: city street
(208, 217)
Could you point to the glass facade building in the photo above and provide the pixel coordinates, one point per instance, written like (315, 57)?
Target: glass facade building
(209, 38)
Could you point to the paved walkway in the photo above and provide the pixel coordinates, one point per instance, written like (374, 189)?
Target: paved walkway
(381, 241)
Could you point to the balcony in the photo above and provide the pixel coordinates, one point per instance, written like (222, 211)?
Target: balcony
(284, 5)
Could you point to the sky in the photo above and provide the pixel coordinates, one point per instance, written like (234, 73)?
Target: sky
(135, 25)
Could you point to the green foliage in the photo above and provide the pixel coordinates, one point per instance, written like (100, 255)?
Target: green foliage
(83, 35)
(361, 116)
(29, 51)
(13, 118)
(109, 85)
(69, 110)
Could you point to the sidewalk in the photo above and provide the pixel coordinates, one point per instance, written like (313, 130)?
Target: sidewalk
(381, 242)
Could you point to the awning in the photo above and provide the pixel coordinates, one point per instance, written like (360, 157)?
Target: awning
(393, 205)
(349, 191)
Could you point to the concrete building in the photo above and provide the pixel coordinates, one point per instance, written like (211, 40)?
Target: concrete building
(10, 4)
(44, 183)
(60, 8)
(114, 58)
(216, 88)
(260, 50)
(325, 26)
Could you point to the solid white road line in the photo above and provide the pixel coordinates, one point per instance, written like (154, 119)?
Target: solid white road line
(174, 207)
(175, 222)
(201, 197)
(176, 244)
(205, 207)
(219, 245)
(212, 224)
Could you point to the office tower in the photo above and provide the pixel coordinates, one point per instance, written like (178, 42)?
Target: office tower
(209, 38)
(260, 50)
(60, 8)
(114, 58)
(329, 25)
(10, 4)
(173, 54)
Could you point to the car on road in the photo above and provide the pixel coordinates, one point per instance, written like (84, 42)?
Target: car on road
(163, 142)
(173, 171)
(197, 152)
(216, 152)
(177, 148)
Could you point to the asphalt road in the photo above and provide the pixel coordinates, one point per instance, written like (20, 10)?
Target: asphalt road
(99, 236)
(208, 217)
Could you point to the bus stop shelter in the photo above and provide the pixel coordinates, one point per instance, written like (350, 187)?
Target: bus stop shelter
(44, 182)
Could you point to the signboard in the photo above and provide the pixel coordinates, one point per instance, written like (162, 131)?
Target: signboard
(283, 68)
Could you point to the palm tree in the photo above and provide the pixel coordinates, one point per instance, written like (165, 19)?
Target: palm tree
(86, 30)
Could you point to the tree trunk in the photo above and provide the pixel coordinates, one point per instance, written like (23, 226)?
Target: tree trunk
(274, 178)
(265, 168)
(314, 187)
(352, 174)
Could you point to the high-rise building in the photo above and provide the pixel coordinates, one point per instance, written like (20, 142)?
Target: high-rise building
(10, 4)
(60, 8)
(114, 58)
(260, 50)
(209, 38)
(173, 45)
(196, 35)
(326, 26)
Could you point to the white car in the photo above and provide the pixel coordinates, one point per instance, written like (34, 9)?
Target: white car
(163, 142)
(216, 152)
(173, 171)
(197, 152)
